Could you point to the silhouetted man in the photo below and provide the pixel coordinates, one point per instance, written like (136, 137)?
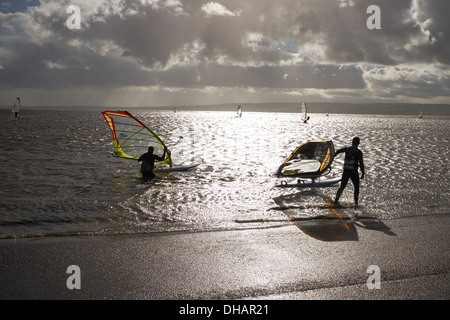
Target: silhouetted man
(353, 160)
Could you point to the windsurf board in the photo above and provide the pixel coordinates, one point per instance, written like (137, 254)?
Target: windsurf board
(176, 168)
(314, 184)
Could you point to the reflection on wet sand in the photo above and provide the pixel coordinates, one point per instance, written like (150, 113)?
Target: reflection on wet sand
(338, 224)
(329, 229)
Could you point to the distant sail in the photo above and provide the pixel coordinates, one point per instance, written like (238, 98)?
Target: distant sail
(239, 111)
(132, 138)
(310, 159)
(304, 113)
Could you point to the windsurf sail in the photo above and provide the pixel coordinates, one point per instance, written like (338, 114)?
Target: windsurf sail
(239, 111)
(132, 137)
(304, 113)
(16, 108)
(309, 160)
(421, 114)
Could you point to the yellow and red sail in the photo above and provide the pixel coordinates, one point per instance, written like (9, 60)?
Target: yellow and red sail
(132, 137)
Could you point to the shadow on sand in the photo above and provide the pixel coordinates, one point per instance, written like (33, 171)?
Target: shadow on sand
(339, 223)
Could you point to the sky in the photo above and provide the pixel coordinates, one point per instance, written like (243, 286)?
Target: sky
(195, 52)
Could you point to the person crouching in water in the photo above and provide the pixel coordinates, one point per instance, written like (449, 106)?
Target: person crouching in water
(148, 162)
(353, 160)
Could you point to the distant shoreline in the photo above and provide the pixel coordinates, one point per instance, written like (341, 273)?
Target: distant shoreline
(282, 107)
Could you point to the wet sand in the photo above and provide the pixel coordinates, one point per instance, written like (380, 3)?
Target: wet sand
(324, 259)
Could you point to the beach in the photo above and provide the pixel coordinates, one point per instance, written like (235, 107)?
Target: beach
(276, 263)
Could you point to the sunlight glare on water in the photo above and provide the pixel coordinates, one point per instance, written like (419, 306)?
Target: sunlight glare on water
(60, 175)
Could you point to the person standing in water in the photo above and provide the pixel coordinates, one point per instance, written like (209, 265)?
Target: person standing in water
(353, 160)
(148, 162)
(16, 112)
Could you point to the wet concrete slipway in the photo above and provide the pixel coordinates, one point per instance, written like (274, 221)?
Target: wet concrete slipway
(325, 259)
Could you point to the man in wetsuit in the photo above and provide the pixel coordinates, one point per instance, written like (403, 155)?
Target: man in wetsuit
(353, 159)
(148, 162)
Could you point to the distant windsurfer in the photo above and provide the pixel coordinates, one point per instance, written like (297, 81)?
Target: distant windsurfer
(353, 160)
(148, 162)
(16, 113)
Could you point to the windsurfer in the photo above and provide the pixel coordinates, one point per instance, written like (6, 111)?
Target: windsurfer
(353, 160)
(16, 113)
(148, 162)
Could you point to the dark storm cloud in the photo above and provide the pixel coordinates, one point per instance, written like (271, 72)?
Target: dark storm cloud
(317, 44)
(58, 66)
(433, 16)
(302, 76)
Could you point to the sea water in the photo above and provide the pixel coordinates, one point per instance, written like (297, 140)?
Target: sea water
(59, 176)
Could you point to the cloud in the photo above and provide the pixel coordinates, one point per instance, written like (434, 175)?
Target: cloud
(286, 47)
(414, 81)
(216, 9)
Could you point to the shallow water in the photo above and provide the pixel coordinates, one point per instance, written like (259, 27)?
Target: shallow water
(60, 178)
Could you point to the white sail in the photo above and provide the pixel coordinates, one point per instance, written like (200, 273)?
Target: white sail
(304, 113)
(16, 108)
